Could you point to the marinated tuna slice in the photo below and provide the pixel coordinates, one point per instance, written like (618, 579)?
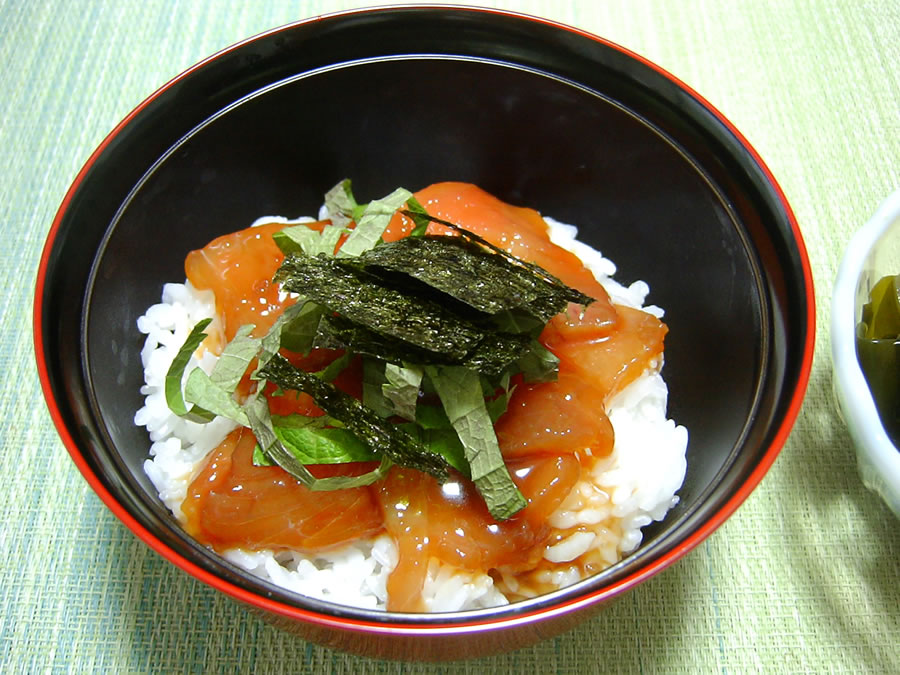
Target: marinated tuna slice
(610, 362)
(452, 523)
(594, 322)
(238, 268)
(233, 504)
(565, 416)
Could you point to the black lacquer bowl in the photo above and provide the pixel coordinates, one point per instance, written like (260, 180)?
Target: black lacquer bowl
(536, 113)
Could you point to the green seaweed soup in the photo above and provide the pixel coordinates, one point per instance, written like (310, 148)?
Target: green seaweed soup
(878, 350)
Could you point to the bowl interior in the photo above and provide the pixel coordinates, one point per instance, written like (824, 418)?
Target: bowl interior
(535, 114)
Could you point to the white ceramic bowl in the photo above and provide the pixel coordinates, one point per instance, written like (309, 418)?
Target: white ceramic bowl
(873, 252)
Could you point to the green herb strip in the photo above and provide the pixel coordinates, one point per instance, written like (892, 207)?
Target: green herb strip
(444, 442)
(463, 399)
(372, 223)
(208, 396)
(272, 448)
(174, 397)
(340, 203)
(335, 368)
(235, 359)
(373, 388)
(402, 389)
(298, 330)
(375, 432)
(303, 239)
(419, 215)
(538, 364)
(312, 441)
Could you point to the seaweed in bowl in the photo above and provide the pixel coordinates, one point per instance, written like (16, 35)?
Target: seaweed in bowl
(865, 348)
(564, 122)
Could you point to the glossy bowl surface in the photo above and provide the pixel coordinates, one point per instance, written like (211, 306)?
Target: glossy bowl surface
(873, 252)
(536, 113)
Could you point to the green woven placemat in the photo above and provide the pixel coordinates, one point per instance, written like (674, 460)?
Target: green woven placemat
(804, 578)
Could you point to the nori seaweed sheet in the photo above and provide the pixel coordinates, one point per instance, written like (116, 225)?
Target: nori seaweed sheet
(372, 302)
(490, 356)
(487, 281)
(374, 431)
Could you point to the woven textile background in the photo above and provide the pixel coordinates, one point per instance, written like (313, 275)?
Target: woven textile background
(805, 577)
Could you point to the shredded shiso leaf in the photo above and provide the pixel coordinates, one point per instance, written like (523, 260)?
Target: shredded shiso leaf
(174, 397)
(441, 324)
(490, 355)
(271, 447)
(463, 399)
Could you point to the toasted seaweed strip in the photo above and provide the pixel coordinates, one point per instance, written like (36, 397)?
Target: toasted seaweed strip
(573, 295)
(375, 432)
(490, 356)
(496, 352)
(472, 274)
(336, 332)
(367, 300)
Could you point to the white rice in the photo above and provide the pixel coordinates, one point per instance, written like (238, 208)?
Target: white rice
(598, 523)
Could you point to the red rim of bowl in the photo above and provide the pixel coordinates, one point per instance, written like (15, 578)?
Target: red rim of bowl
(278, 608)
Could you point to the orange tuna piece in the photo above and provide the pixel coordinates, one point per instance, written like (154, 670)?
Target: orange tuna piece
(610, 361)
(451, 522)
(565, 416)
(238, 268)
(232, 503)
